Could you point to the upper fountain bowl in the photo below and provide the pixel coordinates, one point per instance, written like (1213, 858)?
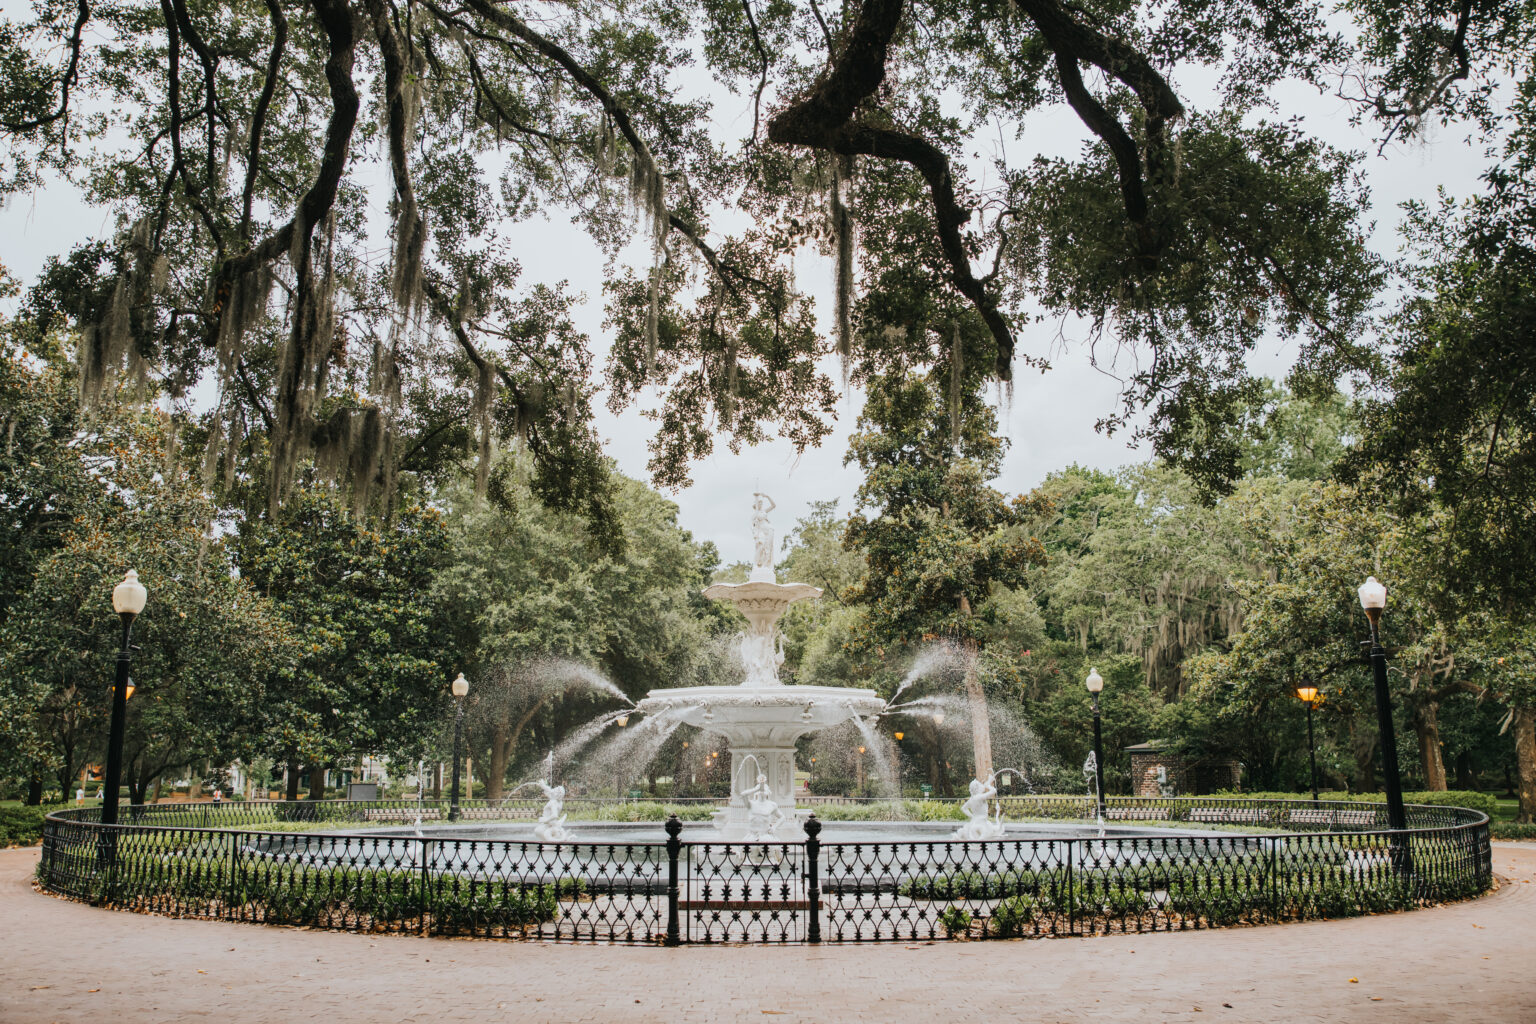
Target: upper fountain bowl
(783, 711)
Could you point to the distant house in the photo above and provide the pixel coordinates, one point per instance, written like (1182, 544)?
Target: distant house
(1157, 771)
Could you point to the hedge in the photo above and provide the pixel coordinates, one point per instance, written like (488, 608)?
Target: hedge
(23, 825)
(1472, 799)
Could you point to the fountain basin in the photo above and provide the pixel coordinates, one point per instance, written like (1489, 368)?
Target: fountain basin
(760, 725)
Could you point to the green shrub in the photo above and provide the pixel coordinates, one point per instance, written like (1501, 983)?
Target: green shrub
(976, 885)
(955, 920)
(1512, 831)
(1013, 916)
(1484, 802)
(1219, 904)
(21, 825)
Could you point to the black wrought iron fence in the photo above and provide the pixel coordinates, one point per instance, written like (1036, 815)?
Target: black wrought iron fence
(1233, 861)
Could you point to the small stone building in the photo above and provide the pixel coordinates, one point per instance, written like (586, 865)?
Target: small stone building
(1155, 771)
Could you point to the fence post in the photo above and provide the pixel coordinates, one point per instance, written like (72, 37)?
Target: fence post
(813, 877)
(674, 847)
(1071, 889)
(234, 862)
(426, 891)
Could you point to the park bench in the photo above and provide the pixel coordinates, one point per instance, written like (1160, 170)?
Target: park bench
(401, 815)
(1229, 815)
(1317, 816)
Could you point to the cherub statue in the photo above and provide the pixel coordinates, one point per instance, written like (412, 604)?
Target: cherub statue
(978, 824)
(763, 812)
(551, 827)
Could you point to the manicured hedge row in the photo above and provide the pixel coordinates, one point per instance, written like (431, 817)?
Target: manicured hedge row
(22, 825)
(1436, 797)
(1509, 830)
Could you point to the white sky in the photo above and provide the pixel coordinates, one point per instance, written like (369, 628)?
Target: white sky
(1051, 419)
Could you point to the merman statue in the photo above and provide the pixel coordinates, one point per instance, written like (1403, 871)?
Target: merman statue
(978, 825)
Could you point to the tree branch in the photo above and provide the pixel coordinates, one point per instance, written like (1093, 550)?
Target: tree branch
(70, 77)
(259, 115)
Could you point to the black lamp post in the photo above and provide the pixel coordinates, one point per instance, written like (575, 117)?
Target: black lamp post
(1373, 598)
(1311, 696)
(1095, 684)
(460, 688)
(618, 770)
(128, 599)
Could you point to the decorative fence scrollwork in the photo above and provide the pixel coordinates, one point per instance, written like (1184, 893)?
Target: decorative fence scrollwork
(1232, 861)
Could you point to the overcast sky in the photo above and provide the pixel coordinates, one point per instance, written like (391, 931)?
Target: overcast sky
(1050, 422)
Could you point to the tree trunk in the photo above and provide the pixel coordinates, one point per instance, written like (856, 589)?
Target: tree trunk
(1426, 723)
(35, 790)
(317, 782)
(981, 722)
(1465, 779)
(501, 748)
(1362, 741)
(1525, 761)
(437, 781)
(291, 779)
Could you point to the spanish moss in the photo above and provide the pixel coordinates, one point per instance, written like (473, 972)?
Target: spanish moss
(842, 237)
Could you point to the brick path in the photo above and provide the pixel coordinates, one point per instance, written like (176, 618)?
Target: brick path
(67, 962)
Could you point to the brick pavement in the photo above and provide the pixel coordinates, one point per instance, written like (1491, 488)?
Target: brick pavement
(66, 962)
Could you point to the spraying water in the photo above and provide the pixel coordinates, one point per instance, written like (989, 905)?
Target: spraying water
(551, 670)
(930, 660)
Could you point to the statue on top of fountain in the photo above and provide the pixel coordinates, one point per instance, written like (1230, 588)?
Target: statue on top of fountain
(978, 823)
(762, 539)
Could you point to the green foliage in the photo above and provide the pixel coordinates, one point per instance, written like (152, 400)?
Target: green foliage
(1013, 916)
(372, 668)
(1476, 801)
(936, 538)
(22, 826)
(956, 921)
(1511, 831)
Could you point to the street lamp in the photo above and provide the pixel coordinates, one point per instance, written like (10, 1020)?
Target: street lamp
(128, 599)
(460, 688)
(1095, 684)
(1373, 598)
(1311, 696)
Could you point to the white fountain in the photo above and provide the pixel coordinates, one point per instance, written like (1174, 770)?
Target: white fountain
(762, 717)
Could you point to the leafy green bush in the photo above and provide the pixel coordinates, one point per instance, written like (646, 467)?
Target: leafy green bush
(977, 885)
(1512, 831)
(955, 920)
(22, 825)
(1484, 802)
(1013, 916)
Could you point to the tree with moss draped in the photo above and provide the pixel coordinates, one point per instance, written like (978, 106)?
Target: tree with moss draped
(936, 537)
(238, 144)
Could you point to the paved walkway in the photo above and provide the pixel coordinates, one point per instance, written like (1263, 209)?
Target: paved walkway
(66, 962)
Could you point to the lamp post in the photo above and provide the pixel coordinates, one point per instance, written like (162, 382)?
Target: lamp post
(1311, 696)
(1095, 684)
(618, 771)
(128, 599)
(1373, 598)
(460, 688)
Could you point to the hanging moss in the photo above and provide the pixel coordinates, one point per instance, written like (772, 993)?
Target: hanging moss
(485, 389)
(842, 238)
(956, 381)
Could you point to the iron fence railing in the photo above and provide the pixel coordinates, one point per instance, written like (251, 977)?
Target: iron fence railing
(1235, 861)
